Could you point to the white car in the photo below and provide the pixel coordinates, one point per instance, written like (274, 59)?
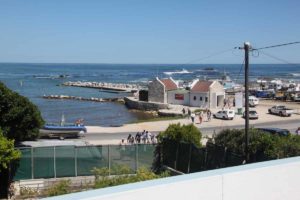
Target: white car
(225, 114)
(281, 111)
(252, 114)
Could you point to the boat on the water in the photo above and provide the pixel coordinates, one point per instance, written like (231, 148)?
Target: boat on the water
(63, 130)
(183, 71)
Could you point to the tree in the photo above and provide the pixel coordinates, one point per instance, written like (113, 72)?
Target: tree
(19, 118)
(182, 133)
(7, 155)
(174, 145)
(7, 152)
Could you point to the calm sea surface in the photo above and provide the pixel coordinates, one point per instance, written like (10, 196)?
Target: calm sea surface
(35, 80)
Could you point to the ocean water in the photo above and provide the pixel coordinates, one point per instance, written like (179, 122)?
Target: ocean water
(35, 80)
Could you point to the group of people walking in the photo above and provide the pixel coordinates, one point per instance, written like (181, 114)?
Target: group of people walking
(144, 137)
(191, 115)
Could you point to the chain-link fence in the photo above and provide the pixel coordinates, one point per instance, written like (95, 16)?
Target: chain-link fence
(70, 161)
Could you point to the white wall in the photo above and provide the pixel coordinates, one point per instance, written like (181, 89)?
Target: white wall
(197, 102)
(274, 180)
(172, 100)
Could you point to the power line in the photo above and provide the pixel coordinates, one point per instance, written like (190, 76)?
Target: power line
(278, 45)
(278, 59)
(240, 72)
(209, 56)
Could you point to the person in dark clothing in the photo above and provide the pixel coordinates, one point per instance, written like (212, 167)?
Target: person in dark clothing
(138, 137)
(183, 111)
(189, 113)
(129, 138)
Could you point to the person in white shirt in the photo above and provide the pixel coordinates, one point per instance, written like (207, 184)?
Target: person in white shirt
(193, 117)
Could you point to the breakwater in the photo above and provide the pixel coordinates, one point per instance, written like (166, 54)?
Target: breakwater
(95, 99)
(133, 103)
(104, 86)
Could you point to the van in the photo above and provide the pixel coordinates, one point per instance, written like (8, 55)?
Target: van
(253, 101)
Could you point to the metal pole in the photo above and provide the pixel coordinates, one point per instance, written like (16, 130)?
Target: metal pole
(54, 161)
(32, 164)
(175, 164)
(246, 48)
(136, 157)
(75, 148)
(108, 157)
(190, 157)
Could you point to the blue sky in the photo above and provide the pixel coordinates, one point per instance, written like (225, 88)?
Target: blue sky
(140, 31)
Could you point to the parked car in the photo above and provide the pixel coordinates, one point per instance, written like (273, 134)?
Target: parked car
(296, 97)
(281, 110)
(253, 101)
(252, 114)
(276, 131)
(225, 114)
(264, 93)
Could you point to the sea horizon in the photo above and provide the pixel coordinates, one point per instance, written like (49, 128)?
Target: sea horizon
(117, 63)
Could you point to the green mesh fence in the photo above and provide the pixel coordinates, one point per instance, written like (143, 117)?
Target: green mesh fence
(88, 158)
(43, 161)
(145, 155)
(65, 161)
(23, 167)
(123, 159)
(69, 161)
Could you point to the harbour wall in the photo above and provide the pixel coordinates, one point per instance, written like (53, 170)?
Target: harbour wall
(132, 103)
(105, 86)
(66, 97)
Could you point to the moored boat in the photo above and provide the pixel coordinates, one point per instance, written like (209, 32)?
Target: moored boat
(63, 130)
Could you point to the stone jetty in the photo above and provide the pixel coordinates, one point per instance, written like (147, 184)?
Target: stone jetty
(66, 97)
(104, 86)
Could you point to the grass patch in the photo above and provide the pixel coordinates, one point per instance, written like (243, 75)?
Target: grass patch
(199, 110)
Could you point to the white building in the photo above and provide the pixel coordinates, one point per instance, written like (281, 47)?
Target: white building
(205, 94)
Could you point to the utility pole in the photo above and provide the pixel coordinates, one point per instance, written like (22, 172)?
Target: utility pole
(247, 47)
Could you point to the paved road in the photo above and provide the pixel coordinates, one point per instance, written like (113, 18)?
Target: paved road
(290, 125)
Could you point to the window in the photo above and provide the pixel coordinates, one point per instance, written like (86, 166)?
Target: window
(206, 99)
(195, 98)
(200, 98)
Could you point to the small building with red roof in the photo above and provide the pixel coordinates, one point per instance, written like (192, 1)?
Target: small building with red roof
(206, 94)
(158, 88)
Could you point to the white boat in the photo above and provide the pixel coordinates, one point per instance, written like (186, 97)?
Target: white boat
(183, 71)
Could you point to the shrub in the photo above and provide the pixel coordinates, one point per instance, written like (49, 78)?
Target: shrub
(262, 145)
(199, 110)
(7, 152)
(27, 192)
(182, 133)
(105, 180)
(62, 187)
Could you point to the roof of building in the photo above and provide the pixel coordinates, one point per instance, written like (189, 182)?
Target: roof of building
(181, 91)
(169, 84)
(202, 86)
